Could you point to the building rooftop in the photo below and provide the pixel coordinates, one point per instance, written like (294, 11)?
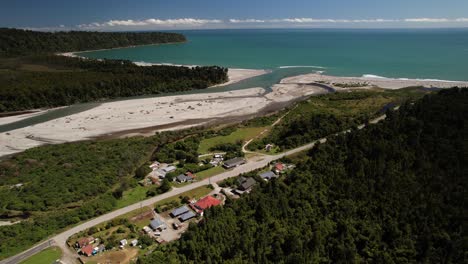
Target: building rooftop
(268, 175)
(207, 202)
(186, 216)
(247, 184)
(156, 223)
(179, 211)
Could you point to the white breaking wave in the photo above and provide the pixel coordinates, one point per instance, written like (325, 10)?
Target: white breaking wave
(372, 76)
(311, 66)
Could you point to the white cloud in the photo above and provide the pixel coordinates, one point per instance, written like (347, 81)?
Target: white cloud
(150, 22)
(235, 21)
(180, 23)
(430, 20)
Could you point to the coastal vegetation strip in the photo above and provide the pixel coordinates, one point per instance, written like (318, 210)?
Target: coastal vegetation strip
(51, 81)
(18, 42)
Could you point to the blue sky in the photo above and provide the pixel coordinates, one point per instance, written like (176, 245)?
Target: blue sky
(183, 14)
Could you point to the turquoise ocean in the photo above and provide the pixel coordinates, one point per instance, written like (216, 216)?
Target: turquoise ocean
(396, 53)
(404, 53)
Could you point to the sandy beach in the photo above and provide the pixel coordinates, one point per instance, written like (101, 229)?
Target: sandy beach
(158, 114)
(144, 116)
(340, 83)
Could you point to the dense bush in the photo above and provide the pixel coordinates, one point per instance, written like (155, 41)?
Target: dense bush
(15, 42)
(394, 192)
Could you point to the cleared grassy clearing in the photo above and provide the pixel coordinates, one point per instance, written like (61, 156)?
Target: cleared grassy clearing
(241, 134)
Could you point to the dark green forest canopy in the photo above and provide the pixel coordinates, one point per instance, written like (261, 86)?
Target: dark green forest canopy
(51, 81)
(55, 186)
(394, 192)
(17, 42)
(31, 76)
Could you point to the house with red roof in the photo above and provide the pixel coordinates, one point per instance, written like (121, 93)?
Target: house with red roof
(190, 175)
(87, 250)
(278, 168)
(205, 203)
(84, 241)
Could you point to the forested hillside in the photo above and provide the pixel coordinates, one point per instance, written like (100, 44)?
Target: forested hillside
(16, 42)
(50, 81)
(323, 115)
(394, 192)
(32, 77)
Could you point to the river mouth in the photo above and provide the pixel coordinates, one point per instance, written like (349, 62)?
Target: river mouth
(265, 81)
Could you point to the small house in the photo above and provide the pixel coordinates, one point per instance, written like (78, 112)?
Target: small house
(84, 241)
(87, 250)
(183, 178)
(190, 175)
(134, 243)
(247, 185)
(205, 203)
(180, 211)
(278, 168)
(157, 224)
(232, 163)
(268, 175)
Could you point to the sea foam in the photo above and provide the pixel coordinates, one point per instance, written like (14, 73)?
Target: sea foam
(372, 76)
(310, 66)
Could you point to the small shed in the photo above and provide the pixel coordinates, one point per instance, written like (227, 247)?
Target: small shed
(134, 243)
(123, 242)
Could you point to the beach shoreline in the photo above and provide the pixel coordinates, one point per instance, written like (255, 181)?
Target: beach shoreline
(234, 74)
(370, 81)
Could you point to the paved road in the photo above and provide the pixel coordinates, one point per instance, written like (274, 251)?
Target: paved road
(28, 253)
(69, 257)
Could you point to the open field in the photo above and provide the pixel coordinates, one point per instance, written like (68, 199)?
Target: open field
(132, 196)
(196, 193)
(241, 134)
(46, 256)
(209, 172)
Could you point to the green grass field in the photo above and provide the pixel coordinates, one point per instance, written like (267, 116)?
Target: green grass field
(243, 134)
(209, 172)
(132, 196)
(196, 193)
(46, 256)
